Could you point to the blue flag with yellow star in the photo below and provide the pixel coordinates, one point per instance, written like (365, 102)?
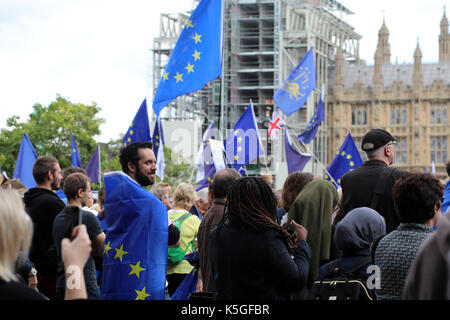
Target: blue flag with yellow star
(197, 56)
(243, 145)
(76, 159)
(311, 129)
(346, 159)
(139, 130)
(135, 250)
(296, 88)
(25, 161)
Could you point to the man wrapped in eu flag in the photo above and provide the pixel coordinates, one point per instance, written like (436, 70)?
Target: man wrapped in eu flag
(138, 230)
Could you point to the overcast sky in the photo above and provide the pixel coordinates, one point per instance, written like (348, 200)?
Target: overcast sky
(97, 50)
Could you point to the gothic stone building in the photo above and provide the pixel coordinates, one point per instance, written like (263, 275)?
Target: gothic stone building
(408, 100)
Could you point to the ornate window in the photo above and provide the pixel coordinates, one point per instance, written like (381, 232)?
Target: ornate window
(359, 115)
(398, 116)
(438, 114)
(438, 148)
(401, 151)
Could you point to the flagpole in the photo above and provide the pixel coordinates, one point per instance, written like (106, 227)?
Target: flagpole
(222, 83)
(318, 161)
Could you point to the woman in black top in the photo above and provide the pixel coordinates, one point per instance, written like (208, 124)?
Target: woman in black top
(252, 256)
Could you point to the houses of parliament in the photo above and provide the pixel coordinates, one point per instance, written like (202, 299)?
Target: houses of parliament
(408, 100)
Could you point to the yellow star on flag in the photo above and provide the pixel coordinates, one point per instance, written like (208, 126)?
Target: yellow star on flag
(239, 139)
(189, 24)
(349, 156)
(141, 295)
(165, 76)
(107, 248)
(196, 55)
(179, 77)
(131, 132)
(120, 253)
(239, 149)
(197, 38)
(352, 163)
(343, 153)
(129, 139)
(189, 68)
(236, 157)
(136, 269)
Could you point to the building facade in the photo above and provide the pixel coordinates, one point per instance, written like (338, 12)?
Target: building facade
(409, 100)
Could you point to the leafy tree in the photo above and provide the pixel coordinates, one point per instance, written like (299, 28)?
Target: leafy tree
(50, 129)
(177, 170)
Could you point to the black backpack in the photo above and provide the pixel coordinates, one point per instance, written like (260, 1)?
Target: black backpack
(341, 285)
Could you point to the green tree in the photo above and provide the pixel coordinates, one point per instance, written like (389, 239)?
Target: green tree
(177, 169)
(50, 129)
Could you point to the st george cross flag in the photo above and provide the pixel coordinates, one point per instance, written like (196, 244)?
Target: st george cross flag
(346, 159)
(76, 159)
(311, 129)
(93, 167)
(197, 56)
(296, 161)
(139, 130)
(135, 250)
(243, 145)
(24, 165)
(296, 88)
(158, 148)
(275, 125)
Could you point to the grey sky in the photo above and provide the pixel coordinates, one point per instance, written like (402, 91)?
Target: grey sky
(97, 50)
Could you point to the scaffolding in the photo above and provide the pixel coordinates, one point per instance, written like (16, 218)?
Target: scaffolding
(263, 42)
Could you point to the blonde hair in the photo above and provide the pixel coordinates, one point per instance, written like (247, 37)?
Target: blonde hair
(184, 196)
(16, 230)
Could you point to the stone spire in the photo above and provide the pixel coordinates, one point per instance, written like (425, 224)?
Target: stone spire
(444, 40)
(417, 75)
(383, 43)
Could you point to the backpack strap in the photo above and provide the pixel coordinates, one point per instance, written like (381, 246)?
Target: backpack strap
(380, 187)
(334, 268)
(183, 217)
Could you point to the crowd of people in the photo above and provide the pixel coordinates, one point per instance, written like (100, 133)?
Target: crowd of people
(252, 241)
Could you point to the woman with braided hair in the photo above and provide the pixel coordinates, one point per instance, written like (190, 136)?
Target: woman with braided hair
(252, 256)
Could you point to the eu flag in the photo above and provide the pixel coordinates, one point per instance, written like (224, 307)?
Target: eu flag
(346, 159)
(93, 166)
(197, 56)
(24, 165)
(139, 130)
(158, 148)
(76, 159)
(243, 145)
(311, 129)
(135, 250)
(296, 161)
(296, 88)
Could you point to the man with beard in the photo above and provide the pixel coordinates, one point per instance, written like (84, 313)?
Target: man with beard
(136, 222)
(139, 163)
(43, 205)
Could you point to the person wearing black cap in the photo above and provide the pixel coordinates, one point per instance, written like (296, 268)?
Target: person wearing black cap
(371, 184)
